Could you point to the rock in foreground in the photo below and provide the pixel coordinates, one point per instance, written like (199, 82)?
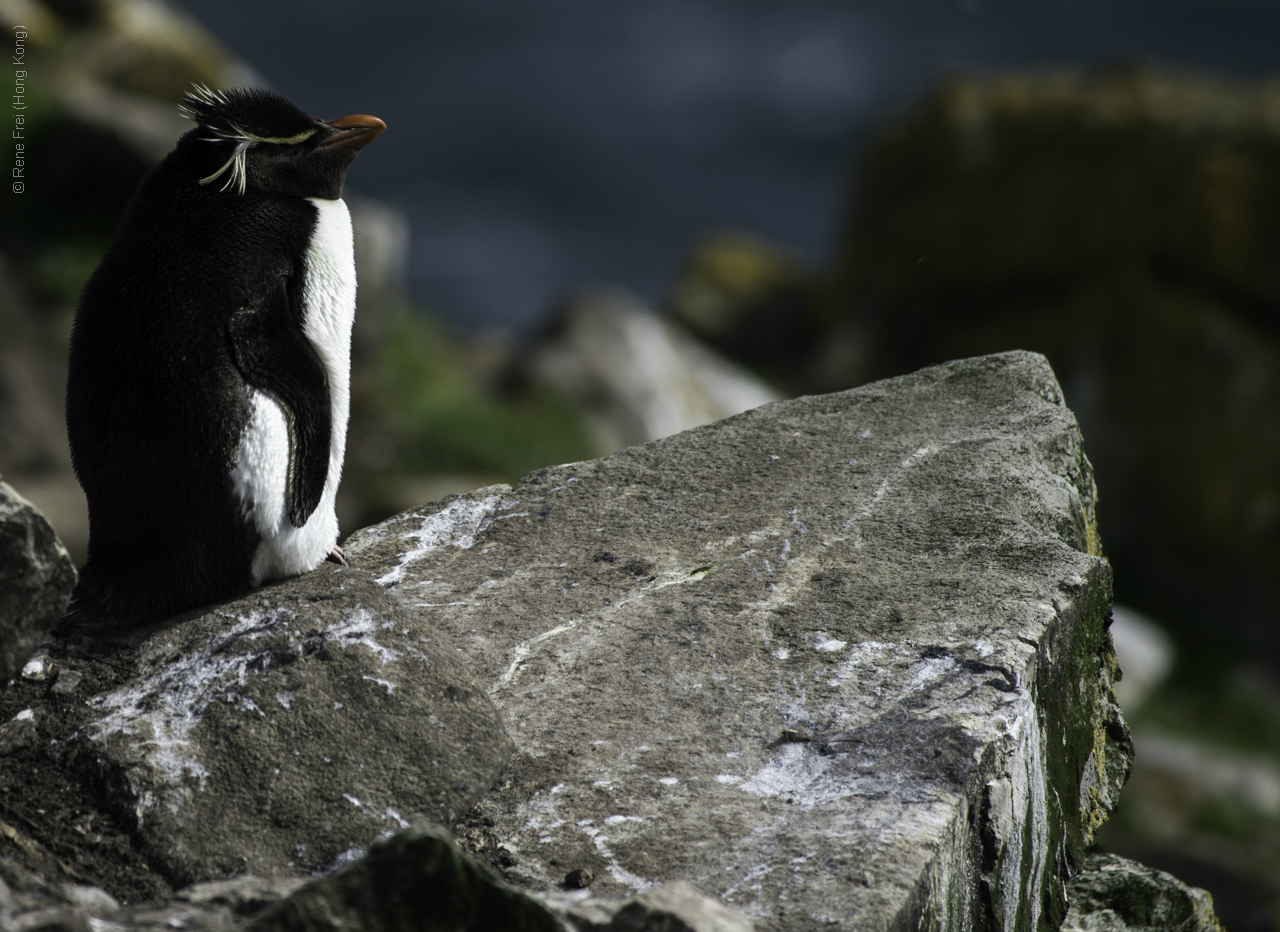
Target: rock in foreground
(36, 579)
(840, 662)
(417, 880)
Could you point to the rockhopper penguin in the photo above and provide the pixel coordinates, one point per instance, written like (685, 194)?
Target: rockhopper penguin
(209, 380)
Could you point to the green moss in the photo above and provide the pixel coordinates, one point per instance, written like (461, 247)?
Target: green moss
(1111, 752)
(1233, 712)
(1093, 539)
(1224, 816)
(60, 273)
(447, 421)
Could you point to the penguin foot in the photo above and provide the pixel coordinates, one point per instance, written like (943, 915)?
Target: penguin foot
(337, 556)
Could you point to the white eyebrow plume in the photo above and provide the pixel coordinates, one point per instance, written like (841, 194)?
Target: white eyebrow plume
(239, 171)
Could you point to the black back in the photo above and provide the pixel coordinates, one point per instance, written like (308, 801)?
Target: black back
(198, 297)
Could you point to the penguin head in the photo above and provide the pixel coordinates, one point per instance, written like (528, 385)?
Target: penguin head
(257, 141)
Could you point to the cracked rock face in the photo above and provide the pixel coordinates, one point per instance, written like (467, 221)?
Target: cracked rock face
(284, 732)
(36, 579)
(840, 662)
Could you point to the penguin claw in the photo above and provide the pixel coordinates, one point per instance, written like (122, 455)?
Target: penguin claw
(337, 556)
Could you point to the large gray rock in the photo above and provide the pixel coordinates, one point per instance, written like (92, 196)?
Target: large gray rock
(841, 662)
(36, 579)
(284, 732)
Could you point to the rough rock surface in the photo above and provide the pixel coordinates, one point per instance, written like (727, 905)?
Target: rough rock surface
(841, 662)
(283, 732)
(838, 662)
(418, 879)
(1114, 894)
(31, 902)
(36, 579)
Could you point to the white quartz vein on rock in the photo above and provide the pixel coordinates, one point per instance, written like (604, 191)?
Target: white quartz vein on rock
(541, 814)
(524, 650)
(359, 628)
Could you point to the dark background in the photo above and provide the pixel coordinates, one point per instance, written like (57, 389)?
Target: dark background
(538, 147)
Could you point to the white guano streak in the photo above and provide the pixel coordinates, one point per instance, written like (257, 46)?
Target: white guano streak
(454, 526)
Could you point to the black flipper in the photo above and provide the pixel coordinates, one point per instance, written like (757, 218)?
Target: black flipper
(276, 358)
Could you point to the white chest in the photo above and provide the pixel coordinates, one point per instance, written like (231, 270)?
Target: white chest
(261, 471)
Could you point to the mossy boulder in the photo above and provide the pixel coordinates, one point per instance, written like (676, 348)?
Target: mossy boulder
(1126, 225)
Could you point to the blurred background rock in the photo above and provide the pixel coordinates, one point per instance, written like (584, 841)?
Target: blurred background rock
(1124, 221)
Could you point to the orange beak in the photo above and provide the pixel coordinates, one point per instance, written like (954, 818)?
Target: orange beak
(353, 132)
